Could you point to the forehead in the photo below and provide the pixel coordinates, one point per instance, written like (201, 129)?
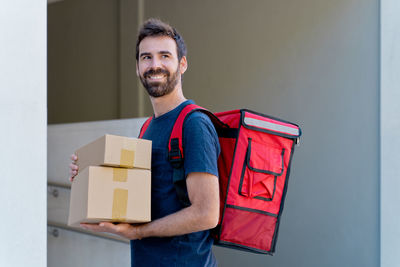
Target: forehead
(155, 44)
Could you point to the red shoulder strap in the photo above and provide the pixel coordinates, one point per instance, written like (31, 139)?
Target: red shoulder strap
(175, 139)
(175, 146)
(144, 127)
(177, 128)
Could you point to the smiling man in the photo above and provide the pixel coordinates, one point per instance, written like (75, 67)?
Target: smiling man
(178, 234)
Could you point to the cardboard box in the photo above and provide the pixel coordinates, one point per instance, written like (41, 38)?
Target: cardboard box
(115, 151)
(110, 194)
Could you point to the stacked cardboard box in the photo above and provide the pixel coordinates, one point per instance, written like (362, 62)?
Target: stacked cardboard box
(113, 183)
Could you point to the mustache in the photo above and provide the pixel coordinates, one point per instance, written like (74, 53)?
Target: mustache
(155, 72)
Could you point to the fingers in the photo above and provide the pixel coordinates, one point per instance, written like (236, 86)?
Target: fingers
(109, 226)
(92, 227)
(73, 171)
(101, 227)
(73, 167)
(74, 157)
(123, 229)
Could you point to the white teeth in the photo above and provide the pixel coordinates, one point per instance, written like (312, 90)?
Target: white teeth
(156, 77)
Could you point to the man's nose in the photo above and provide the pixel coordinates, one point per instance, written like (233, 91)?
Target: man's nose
(156, 63)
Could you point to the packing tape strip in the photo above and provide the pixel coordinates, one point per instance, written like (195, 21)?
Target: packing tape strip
(120, 204)
(127, 158)
(120, 175)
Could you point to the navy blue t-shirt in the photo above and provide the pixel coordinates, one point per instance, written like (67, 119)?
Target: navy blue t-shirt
(201, 151)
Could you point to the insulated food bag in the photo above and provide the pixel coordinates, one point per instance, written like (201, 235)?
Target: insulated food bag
(254, 167)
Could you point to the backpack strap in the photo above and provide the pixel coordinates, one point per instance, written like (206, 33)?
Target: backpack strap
(144, 127)
(175, 145)
(175, 154)
(175, 149)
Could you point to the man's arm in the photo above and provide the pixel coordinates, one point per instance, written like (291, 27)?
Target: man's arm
(203, 214)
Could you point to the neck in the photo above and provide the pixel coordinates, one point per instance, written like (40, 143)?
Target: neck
(163, 104)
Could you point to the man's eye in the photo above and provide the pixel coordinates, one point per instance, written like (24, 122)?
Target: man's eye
(165, 56)
(145, 57)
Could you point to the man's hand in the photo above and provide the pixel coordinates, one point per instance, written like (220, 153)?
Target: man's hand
(73, 168)
(122, 229)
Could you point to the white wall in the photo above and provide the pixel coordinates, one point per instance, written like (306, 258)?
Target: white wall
(390, 133)
(23, 133)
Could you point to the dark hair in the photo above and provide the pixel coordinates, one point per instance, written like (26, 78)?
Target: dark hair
(155, 27)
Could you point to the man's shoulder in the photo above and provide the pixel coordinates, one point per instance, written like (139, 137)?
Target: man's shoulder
(197, 118)
(198, 126)
(200, 143)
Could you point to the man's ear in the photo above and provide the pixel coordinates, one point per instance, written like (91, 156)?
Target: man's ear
(183, 65)
(137, 69)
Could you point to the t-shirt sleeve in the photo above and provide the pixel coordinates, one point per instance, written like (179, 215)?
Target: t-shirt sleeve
(200, 144)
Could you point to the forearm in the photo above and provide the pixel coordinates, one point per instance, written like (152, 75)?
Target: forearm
(187, 220)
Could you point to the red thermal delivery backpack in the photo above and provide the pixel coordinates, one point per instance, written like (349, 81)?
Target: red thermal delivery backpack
(253, 166)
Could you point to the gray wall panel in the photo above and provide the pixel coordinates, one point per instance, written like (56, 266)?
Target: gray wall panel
(70, 248)
(315, 63)
(64, 139)
(84, 68)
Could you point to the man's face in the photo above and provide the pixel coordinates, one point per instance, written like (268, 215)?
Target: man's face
(158, 67)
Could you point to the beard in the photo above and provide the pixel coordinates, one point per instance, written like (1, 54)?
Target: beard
(158, 89)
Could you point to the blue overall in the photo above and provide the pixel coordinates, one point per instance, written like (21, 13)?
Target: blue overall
(201, 151)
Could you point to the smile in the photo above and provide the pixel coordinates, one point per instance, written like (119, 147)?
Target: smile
(155, 77)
